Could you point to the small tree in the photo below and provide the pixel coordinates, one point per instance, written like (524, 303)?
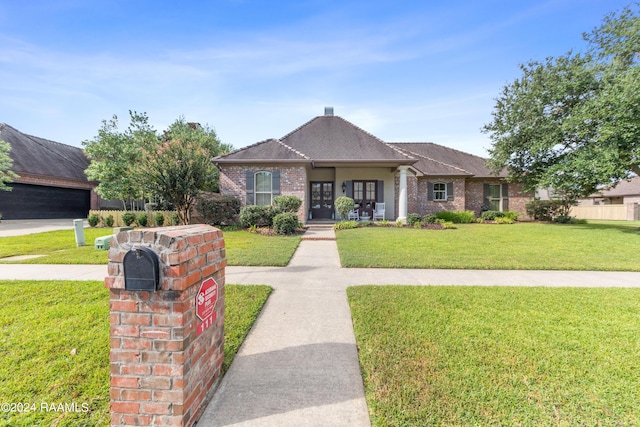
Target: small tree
(6, 163)
(113, 155)
(343, 206)
(178, 166)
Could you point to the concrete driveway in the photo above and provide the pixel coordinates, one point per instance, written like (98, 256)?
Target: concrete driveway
(19, 227)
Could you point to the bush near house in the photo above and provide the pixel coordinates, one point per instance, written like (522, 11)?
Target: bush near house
(260, 216)
(457, 217)
(285, 223)
(287, 203)
(343, 206)
(413, 219)
(217, 209)
(546, 210)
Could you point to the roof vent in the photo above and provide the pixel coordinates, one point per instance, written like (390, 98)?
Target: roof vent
(328, 111)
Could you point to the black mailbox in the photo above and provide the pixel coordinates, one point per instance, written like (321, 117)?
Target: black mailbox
(141, 271)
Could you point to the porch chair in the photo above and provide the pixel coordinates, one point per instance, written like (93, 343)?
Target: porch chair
(353, 215)
(378, 213)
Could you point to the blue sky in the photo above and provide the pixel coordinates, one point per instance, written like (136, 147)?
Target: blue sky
(414, 71)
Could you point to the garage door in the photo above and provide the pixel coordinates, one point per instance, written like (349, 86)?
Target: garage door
(27, 201)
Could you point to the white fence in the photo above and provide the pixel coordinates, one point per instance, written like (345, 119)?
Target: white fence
(626, 212)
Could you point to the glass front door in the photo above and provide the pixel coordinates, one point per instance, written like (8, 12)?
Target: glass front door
(321, 200)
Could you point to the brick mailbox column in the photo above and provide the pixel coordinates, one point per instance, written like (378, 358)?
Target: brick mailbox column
(165, 360)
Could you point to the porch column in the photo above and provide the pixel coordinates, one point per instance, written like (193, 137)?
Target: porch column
(402, 197)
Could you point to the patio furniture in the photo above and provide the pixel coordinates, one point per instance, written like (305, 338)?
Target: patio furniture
(378, 213)
(353, 215)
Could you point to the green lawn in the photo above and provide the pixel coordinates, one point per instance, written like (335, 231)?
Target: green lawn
(54, 347)
(499, 356)
(59, 247)
(250, 249)
(521, 246)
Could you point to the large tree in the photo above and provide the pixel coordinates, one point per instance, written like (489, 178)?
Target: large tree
(572, 123)
(178, 165)
(6, 163)
(115, 155)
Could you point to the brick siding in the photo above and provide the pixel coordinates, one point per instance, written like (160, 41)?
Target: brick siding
(162, 371)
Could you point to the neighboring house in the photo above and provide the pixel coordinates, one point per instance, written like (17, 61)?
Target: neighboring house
(51, 182)
(329, 157)
(627, 191)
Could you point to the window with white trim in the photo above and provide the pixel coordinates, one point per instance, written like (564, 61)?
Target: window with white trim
(440, 191)
(263, 190)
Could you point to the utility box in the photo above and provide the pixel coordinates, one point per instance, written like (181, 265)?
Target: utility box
(103, 243)
(78, 227)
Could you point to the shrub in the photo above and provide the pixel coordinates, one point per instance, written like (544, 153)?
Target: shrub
(491, 215)
(128, 218)
(142, 219)
(261, 216)
(345, 225)
(216, 209)
(504, 220)
(382, 223)
(108, 221)
(512, 215)
(457, 217)
(158, 218)
(287, 203)
(547, 210)
(413, 219)
(429, 218)
(285, 223)
(445, 224)
(343, 206)
(93, 219)
(175, 218)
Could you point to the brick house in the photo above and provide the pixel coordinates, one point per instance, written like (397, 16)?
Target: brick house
(329, 157)
(51, 182)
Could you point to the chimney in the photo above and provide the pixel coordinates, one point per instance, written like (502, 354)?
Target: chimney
(328, 111)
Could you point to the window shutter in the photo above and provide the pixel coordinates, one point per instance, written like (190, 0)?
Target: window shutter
(429, 190)
(505, 197)
(485, 197)
(349, 189)
(249, 188)
(275, 183)
(380, 191)
(449, 191)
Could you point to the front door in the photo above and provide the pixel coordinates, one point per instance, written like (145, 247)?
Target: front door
(322, 200)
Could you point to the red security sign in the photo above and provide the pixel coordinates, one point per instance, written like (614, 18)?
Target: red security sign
(206, 303)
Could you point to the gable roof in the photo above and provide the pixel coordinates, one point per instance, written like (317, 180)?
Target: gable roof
(324, 139)
(435, 159)
(41, 157)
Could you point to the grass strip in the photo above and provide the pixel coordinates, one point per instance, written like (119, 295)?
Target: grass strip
(59, 247)
(54, 347)
(498, 356)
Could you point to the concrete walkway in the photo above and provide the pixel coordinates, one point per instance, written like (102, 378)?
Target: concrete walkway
(299, 364)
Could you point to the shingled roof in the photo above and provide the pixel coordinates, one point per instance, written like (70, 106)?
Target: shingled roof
(44, 158)
(435, 159)
(324, 139)
(328, 140)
